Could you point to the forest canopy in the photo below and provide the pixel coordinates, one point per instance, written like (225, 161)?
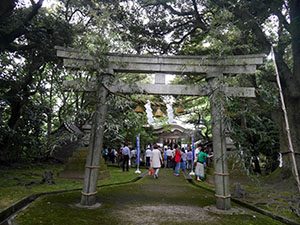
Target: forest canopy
(33, 103)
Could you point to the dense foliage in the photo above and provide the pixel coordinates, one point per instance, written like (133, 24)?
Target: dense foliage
(33, 102)
(200, 27)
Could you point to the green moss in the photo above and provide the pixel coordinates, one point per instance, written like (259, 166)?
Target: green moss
(281, 209)
(167, 190)
(14, 183)
(75, 166)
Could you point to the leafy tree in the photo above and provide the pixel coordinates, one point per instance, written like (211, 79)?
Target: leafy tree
(255, 17)
(16, 22)
(27, 48)
(253, 122)
(229, 27)
(168, 26)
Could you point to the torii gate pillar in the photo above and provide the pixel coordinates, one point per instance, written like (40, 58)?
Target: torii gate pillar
(214, 68)
(221, 174)
(89, 191)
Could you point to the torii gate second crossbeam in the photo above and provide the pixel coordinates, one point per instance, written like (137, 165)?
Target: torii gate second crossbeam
(211, 68)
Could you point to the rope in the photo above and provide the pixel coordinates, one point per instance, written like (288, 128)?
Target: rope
(221, 174)
(222, 196)
(92, 167)
(88, 194)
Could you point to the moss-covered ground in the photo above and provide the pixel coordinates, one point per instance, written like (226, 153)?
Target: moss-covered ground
(167, 200)
(23, 181)
(273, 192)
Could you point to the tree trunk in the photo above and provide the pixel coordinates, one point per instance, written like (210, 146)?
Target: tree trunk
(289, 79)
(291, 96)
(50, 112)
(293, 109)
(17, 96)
(291, 82)
(7, 153)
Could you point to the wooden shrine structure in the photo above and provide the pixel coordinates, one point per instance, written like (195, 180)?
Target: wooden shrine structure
(172, 135)
(213, 70)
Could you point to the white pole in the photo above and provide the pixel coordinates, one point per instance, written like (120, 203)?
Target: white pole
(193, 153)
(287, 127)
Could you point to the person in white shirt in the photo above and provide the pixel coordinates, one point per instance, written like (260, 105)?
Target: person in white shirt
(169, 157)
(126, 156)
(133, 157)
(148, 154)
(156, 160)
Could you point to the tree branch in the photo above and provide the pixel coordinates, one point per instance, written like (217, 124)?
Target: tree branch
(181, 40)
(248, 19)
(15, 47)
(21, 29)
(199, 18)
(75, 11)
(175, 12)
(283, 20)
(175, 27)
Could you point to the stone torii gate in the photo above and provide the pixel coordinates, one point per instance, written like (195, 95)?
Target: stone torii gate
(213, 69)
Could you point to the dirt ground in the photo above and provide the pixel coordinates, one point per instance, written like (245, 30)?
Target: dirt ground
(153, 214)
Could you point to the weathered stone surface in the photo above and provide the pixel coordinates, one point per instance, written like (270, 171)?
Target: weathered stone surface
(179, 69)
(238, 192)
(75, 166)
(48, 178)
(242, 60)
(160, 89)
(164, 64)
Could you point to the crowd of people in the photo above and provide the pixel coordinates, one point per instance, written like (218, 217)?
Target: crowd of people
(175, 157)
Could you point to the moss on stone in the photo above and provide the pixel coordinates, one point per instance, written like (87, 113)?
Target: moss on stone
(75, 166)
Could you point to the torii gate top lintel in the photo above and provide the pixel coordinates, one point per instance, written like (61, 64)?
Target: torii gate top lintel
(206, 66)
(176, 64)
